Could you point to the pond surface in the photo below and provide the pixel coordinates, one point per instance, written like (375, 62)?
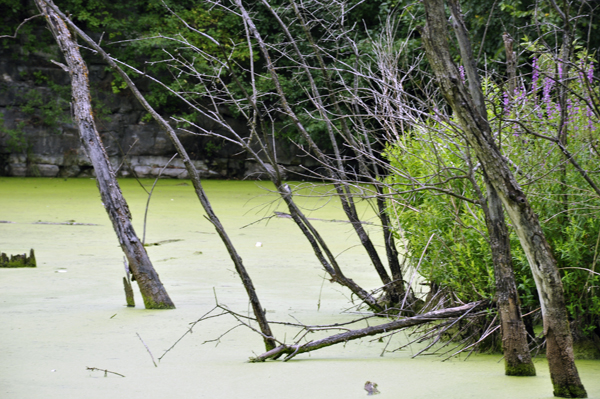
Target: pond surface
(68, 313)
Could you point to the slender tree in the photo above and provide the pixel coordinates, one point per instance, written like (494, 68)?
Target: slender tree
(259, 311)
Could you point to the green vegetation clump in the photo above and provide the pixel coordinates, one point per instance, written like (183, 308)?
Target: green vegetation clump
(16, 261)
(446, 235)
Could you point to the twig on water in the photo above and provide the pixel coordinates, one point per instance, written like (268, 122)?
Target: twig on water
(105, 371)
(150, 195)
(190, 329)
(148, 349)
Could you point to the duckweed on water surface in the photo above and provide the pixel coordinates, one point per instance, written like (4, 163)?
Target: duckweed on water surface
(69, 313)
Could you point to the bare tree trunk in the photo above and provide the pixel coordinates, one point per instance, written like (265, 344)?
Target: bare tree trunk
(259, 312)
(153, 292)
(517, 358)
(511, 64)
(393, 287)
(563, 371)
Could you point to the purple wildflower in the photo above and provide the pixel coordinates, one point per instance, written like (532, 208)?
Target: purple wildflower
(570, 112)
(461, 70)
(535, 76)
(506, 103)
(590, 114)
(548, 85)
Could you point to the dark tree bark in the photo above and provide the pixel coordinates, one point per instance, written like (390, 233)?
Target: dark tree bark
(563, 371)
(517, 358)
(153, 292)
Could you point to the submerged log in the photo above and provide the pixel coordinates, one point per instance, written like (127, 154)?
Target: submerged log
(295, 349)
(18, 260)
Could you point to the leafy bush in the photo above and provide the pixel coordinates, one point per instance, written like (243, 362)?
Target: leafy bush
(530, 129)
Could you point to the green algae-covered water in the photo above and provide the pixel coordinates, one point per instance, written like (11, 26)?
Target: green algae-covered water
(68, 313)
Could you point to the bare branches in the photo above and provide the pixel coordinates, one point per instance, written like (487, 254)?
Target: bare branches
(14, 36)
(296, 349)
(148, 349)
(194, 176)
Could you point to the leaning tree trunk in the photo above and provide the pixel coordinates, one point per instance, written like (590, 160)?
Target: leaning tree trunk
(517, 358)
(563, 371)
(153, 292)
(259, 311)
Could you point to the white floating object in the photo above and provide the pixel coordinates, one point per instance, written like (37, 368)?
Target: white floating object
(61, 271)
(259, 244)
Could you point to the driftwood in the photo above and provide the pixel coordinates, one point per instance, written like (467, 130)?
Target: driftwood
(296, 349)
(18, 260)
(127, 285)
(106, 372)
(128, 293)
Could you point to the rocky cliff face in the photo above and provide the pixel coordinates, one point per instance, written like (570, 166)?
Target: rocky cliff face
(38, 137)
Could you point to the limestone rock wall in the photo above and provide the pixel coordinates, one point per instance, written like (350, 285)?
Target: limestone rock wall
(32, 102)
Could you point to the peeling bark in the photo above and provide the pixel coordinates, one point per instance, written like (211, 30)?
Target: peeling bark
(153, 292)
(563, 371)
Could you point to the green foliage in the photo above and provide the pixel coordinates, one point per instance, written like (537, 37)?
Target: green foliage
(15, 138)
(211, 148)
(563, 199)
(458, 257)
(43, 111)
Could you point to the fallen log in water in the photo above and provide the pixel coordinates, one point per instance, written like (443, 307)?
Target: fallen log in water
(296, 349)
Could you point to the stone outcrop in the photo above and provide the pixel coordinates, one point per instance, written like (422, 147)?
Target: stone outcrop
(33, 103)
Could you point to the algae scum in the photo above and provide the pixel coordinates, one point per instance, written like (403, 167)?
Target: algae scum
(65, 321)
